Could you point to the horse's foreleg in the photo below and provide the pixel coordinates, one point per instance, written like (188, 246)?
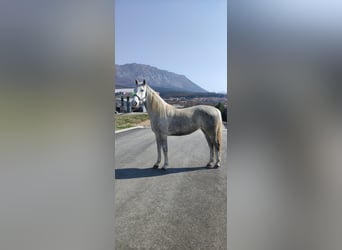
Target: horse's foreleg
(156, 165)
(164, 146)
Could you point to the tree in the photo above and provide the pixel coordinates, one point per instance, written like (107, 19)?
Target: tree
(223, 110)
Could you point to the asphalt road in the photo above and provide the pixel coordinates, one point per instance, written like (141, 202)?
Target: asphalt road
(184, 207)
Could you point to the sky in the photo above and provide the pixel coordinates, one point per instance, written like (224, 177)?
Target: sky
(187, 37)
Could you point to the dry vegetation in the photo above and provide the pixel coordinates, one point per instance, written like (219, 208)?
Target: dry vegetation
(131, 120)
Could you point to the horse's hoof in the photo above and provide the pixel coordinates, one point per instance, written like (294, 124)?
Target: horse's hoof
(163, 168)
(217, 165)
(209, 165)
(155, 166)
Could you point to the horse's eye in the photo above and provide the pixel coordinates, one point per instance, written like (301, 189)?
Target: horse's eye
(141, 90)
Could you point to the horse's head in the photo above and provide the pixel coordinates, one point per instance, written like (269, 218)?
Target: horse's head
(140, 94)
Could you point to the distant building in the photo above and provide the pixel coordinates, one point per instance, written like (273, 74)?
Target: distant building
(124, 92)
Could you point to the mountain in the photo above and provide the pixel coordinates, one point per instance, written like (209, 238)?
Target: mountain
(160, 80)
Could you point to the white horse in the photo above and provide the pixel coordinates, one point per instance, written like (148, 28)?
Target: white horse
(167, 120)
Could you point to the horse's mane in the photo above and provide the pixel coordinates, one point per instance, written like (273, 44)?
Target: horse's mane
(156, 103)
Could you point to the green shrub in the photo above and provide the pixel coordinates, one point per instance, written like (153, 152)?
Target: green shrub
(223, 110)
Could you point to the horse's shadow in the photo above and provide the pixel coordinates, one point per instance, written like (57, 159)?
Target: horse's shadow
(131, 173)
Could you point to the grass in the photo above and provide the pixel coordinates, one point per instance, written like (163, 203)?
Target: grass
(129, 120)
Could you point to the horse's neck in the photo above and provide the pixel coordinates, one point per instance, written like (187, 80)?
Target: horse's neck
(156, 106)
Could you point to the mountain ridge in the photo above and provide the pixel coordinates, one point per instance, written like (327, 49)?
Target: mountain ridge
(159, 79)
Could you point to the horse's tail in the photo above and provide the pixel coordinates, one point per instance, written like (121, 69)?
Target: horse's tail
(219, 132)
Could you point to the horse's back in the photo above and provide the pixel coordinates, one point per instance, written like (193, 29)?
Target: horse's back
(200, 116)
(207, 114)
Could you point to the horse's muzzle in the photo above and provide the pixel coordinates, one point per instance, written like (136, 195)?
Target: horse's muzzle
(134, 104)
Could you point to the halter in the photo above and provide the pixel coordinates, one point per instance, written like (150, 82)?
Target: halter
(141, 100)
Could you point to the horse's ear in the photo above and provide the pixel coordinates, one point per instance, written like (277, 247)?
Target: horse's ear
(144, 82)
(136, 82)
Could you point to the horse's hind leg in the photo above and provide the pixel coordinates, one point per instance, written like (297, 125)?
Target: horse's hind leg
(156, 165)
(218, 154)
(218, 141)
(164, 146)
(211, 148)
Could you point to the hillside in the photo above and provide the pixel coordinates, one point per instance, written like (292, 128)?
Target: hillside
(161, 80)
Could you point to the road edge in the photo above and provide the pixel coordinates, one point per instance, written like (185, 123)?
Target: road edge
(128, 129)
